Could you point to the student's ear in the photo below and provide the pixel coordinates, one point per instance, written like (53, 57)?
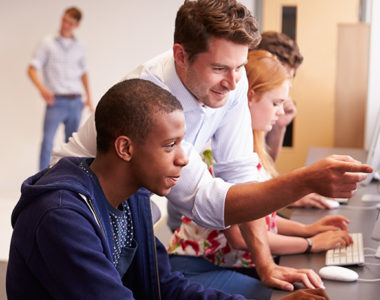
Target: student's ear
(251, 93)
(124, 147)
(180, 55)
(251, 97)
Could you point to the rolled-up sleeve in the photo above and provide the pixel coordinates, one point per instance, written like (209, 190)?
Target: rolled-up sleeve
(40, 55)
(197, 194)
(82, 62)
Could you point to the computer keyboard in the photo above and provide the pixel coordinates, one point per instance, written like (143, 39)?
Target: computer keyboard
(350, 255)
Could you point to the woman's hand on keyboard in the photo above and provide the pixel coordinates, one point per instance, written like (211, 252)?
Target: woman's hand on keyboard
(329, 240)
(327, 223)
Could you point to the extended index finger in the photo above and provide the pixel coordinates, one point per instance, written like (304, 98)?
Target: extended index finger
(345, 158)
(353, 167)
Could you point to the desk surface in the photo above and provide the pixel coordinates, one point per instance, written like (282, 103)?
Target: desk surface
(362, 217)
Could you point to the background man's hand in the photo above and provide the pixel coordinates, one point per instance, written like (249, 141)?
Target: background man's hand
(47, 96)
(89, 104)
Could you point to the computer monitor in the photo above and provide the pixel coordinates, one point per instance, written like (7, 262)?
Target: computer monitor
(373, 157)
(376, 229)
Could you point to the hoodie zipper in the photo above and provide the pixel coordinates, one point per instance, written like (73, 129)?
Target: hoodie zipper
(92, 209)
(155, 254)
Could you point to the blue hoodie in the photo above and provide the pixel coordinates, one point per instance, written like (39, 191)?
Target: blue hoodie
(62, 240)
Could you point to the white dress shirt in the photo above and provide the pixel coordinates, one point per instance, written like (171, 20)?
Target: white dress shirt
(197, 194)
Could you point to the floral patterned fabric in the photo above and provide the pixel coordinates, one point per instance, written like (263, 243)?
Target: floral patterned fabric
(192, 239)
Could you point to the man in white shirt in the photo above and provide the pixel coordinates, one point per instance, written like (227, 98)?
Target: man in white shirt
(205, 71)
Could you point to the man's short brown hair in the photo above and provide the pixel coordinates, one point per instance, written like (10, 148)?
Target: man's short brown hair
(283, 47)
(74, 12)
(199, 20)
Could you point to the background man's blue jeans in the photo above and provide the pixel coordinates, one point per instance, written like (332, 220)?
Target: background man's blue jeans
(66, 111)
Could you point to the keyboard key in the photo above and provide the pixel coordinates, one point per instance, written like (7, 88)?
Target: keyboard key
(350, 255)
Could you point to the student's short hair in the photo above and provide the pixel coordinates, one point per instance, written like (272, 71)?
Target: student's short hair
(283, 47)
(130, 108)
(74, 12)
(199, 20)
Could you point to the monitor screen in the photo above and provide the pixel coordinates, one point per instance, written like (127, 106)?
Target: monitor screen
(373, 158)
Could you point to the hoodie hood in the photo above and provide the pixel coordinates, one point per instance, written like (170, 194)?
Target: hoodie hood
(65, 175)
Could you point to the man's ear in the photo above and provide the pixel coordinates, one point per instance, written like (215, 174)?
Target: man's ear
(180, 55)
(124, 147)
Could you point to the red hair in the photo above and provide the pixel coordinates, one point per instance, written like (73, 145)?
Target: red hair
(265, 73)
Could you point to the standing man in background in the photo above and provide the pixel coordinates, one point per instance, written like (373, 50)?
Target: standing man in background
(61, 60)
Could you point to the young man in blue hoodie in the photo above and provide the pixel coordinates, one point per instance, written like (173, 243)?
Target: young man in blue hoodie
(78, 232)
(83, 228)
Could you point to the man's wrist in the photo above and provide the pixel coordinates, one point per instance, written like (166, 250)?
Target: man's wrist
(265, 269)
(303, 179)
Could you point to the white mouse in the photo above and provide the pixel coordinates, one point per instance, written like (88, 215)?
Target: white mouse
(338, 273)
(332, 203)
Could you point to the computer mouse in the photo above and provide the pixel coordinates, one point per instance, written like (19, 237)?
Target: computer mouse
(332, 203)
(338, 273)
(342, 200)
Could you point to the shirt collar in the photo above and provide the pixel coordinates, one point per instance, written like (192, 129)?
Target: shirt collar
(178, 89)
(59, 37)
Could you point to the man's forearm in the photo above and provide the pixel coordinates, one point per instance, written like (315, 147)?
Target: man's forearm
(256, 237)
(33, 75)
(335, 176)
(86, 85)
(249, 201)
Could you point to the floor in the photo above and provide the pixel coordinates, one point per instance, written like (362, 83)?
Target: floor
(7, 202)
(3, 268)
